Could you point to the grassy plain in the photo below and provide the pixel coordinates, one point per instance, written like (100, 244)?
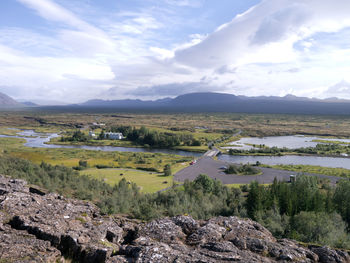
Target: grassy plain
(199, 124)
(341, 172)
(71, 157)
(148, 182)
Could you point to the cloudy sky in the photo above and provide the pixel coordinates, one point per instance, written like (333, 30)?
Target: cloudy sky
(75, 50)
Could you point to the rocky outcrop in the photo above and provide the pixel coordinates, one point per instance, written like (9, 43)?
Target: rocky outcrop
(40, 227)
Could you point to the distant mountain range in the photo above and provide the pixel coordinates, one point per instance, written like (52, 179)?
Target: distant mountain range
(206, 102)
(221, 102)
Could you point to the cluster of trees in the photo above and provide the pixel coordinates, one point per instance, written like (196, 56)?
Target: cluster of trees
(304, 210)
(77, 136)
(261, 149)
(145, 136)
(325, 149)
(244, 169)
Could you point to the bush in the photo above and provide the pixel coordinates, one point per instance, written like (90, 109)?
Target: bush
(244, 169)
(320, 228)
(102, 166)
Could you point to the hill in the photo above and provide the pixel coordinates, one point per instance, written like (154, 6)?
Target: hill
(6, 101)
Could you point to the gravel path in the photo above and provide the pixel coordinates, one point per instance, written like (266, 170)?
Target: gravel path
(211, 167)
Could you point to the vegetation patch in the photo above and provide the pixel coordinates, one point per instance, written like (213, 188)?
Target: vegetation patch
(244, 169)
(305, 209)
(341, 172)
(149, 182)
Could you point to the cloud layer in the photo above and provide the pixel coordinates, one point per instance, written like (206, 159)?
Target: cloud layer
(149, 51)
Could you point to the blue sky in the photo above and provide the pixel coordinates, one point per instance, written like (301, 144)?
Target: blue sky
(74, 50)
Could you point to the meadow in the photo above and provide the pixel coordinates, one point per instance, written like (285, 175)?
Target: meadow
(149, 182)
(340, 172)
(71, 157)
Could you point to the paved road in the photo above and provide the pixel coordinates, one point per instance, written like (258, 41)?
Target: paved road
(211, 167)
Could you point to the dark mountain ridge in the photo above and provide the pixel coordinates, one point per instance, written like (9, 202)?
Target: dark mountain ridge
(221, 102)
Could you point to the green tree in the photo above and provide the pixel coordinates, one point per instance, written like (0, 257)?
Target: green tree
(167, 170)
(321, 228)
(204, 182)
(101, 136)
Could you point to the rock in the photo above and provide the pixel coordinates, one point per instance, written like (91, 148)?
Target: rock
(36, 226)
(187, 223)
(163, 230)
(19, 246)
(207, 233)
(329, 255)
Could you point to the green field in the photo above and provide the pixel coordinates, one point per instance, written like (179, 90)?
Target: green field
(341, 172)
(70, 157)
(148, 182)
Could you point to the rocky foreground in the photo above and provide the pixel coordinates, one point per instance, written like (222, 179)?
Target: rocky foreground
(39, 227)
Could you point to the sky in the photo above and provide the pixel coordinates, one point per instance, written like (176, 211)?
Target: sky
(70, 51)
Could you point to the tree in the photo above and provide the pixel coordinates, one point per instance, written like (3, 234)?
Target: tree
(255, 198)
(204, 182)
(167, 170)
(101, 136)
(320, 228)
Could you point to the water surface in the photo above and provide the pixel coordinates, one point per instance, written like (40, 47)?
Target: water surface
(39, 140)
(333, 162)
(290, 142)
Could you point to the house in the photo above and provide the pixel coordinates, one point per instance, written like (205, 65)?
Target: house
(98, 124)
(92, 134)
(114, 135)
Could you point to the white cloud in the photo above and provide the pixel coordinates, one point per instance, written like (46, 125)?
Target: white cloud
(270, 28)
(54, 12)
(274, 48)
(340, 89)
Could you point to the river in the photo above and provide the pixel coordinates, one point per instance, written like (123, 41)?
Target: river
(39, 140)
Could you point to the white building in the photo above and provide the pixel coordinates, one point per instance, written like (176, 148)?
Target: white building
(92, 134)
(114, 135)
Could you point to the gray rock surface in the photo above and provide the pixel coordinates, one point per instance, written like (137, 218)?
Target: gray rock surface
(40, 227)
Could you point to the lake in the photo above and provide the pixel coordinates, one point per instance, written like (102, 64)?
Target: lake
(333, 162)
(291, 142)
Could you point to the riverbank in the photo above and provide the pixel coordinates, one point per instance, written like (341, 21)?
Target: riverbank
(289, 154)
(340, 172)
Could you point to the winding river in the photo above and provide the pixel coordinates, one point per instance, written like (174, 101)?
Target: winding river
(39, 140)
